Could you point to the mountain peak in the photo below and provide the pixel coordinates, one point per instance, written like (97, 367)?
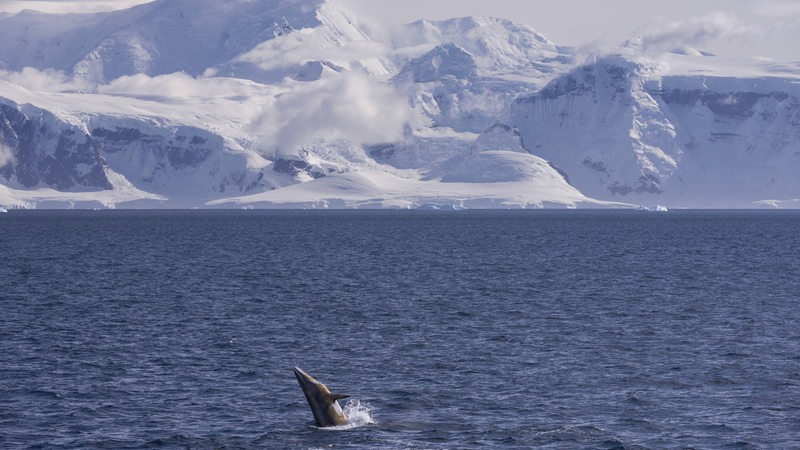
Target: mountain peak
(496, 44)
(446, 60)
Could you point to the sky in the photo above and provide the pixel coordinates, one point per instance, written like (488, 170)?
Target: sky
(765, 28)
(762, 28)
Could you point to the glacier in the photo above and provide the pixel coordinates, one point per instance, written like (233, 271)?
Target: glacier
(305, 104)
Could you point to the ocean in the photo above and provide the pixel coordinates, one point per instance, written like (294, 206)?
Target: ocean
(450, 330)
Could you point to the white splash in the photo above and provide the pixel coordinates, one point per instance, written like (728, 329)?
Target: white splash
(358, 414)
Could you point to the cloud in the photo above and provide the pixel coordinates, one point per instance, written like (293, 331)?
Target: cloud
(6, 155)
(67, 7)
(694, 32)
(349, 106)
(340, 107)
(47, 80)
(174, 85)
(776, 9)
(180, 87)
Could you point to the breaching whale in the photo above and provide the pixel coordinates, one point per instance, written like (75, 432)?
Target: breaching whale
(324, 405)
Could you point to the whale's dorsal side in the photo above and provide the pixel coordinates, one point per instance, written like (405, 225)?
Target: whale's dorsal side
(324, 405)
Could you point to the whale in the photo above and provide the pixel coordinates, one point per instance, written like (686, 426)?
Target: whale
(324, 404)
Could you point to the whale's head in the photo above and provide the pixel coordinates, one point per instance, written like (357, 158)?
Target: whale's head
(323, 403)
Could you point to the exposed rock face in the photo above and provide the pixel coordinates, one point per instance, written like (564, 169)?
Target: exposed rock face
(184, 150)
(297, 168)
(178, 159)
(41, 151)
(46, 152)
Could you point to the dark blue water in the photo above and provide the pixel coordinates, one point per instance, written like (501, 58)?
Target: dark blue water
(451, 330)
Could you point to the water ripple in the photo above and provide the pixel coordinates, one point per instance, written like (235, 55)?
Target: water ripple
(476, 330)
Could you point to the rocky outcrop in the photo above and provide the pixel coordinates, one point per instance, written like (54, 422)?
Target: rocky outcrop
(46, 152)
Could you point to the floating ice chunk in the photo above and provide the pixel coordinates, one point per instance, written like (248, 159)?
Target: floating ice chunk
(656, 208)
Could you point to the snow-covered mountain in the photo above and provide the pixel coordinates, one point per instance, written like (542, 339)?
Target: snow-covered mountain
(297, 103)
(156, 38)
(48, 152)
(190, 163)
(622, 130)
(499, 46)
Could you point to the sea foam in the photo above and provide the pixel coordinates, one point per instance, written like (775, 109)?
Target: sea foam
(359, 414)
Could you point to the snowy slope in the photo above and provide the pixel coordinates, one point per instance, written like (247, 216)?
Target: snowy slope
(161, 37)
(431, 169)
(107, 153)
(600, 125)
(465, 73)
(740, 138)
(380, 189)
(501, 48)
(335, 41)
